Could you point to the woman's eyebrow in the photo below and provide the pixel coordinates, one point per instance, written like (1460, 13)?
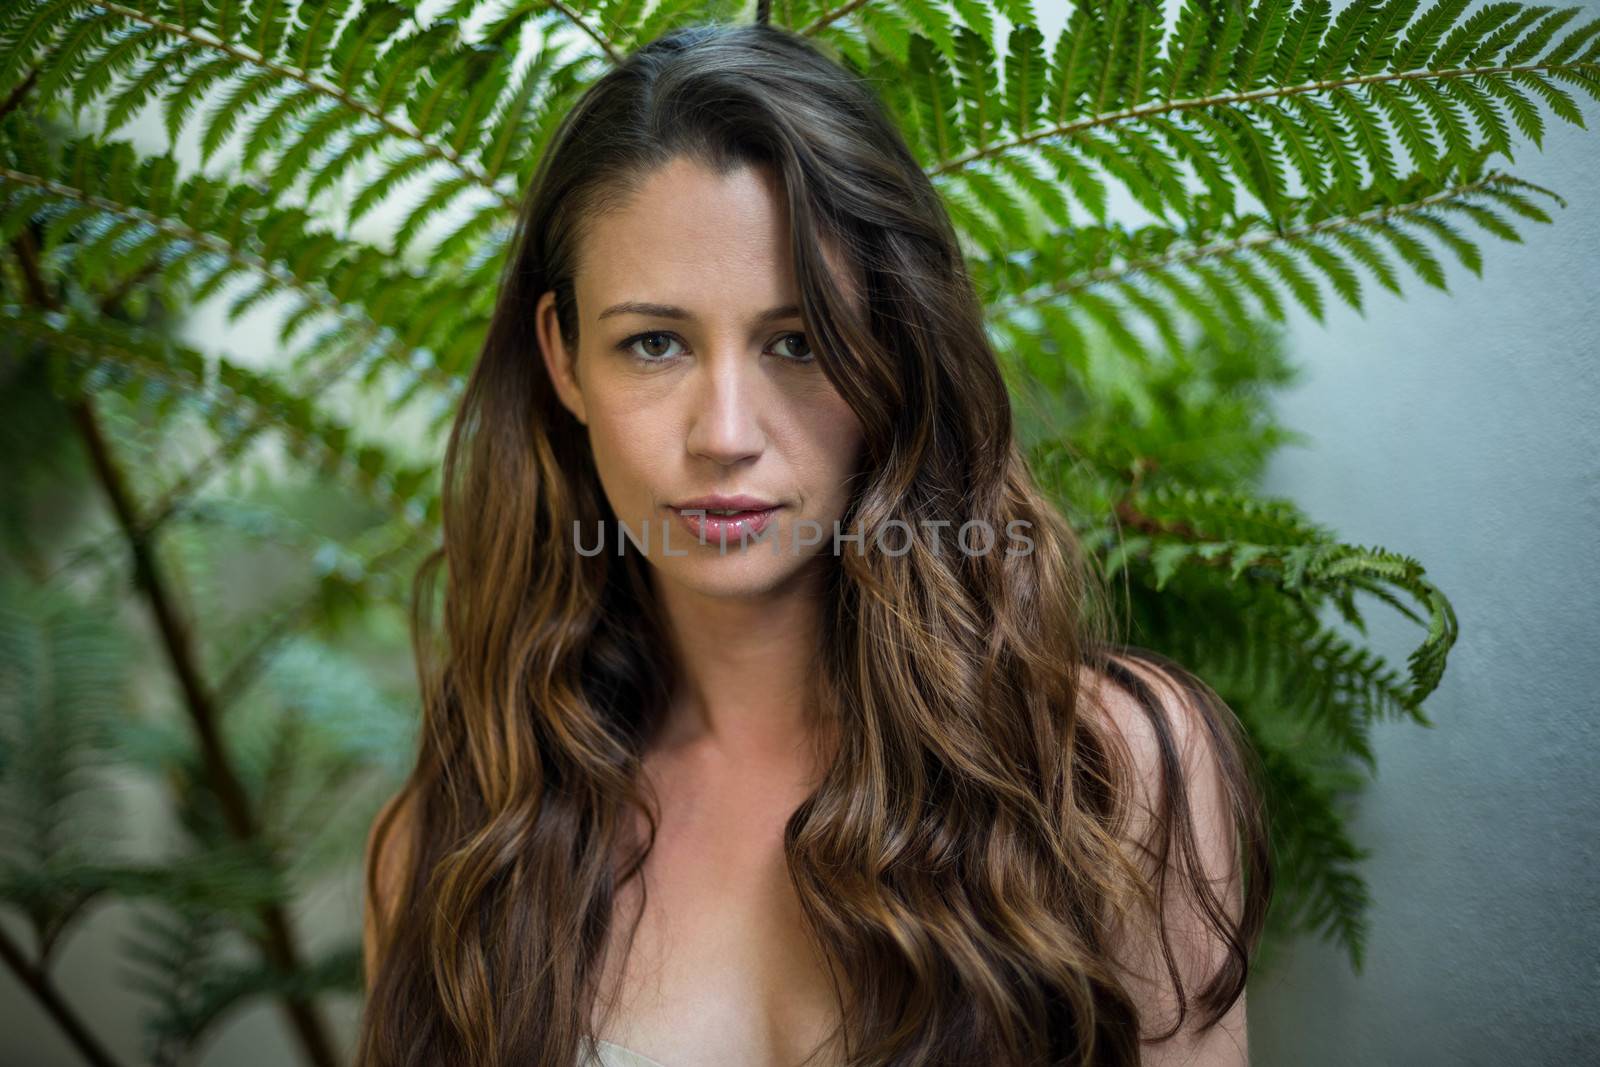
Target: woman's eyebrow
(673, 311)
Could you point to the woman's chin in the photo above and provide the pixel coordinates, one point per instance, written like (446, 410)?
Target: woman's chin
(739, 575)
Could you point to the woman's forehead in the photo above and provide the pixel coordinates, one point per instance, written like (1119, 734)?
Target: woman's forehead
(692, 238)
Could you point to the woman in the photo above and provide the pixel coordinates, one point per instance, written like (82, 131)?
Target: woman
(728, 789)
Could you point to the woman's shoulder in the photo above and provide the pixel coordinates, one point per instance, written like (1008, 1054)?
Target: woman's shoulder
(1187, 752)
(1153, 702)
(1192, 812)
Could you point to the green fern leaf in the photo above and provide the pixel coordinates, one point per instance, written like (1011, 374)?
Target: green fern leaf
(934, 24)
(887, 31)
(1415, 253)
(1505, 35)
(1448, 121)
(1074, 50)
(1539, 37)
(1465, 39)
(1344, 280)
(1302, 40)
(1294, 278)
(1361, 249)
(1409, 124)
(1346, 34)
(187, 93)
(1572, 42)
(1381, 39)
(978, 16)
(358, 46)
(980, 105)
(1452, 238)
(1331, 136)
(1087, 188)
(1259, 43)
(1025, 78)
(1557, 100)
(1523, 111)
(1048, 195)
(1370, 134)
(1491, 124)
(935, 92)
(1419, 44)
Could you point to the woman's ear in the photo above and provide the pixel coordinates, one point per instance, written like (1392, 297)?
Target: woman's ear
(557, 360)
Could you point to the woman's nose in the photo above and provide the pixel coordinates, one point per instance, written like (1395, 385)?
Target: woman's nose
(725, 424)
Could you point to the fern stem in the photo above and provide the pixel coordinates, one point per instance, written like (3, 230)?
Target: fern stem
(1164, 107)
(1243, 244)
(186, 233)
(595, 35)
(14, 100)
(401, 130)
(316, 295)
(197, 475)
(128, 357)
(828, 18)
(277, 941)
(37, 982)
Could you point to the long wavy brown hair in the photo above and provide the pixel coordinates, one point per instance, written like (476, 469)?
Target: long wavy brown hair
(964, 857)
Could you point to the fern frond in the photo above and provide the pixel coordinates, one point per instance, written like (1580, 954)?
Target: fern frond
(63, 673)
(1264, 256)
(1272, 87)
(980, 104)
(198, 234)
(308, 105)
(96, 354)
(1179, 527)
(1026, 73)
(933, 91)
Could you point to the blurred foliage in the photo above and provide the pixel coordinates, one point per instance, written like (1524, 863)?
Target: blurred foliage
(207, 555)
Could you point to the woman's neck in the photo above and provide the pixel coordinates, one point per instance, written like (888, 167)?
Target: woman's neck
(747, 670)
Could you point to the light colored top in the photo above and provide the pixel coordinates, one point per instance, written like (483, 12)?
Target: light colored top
(612, 1055)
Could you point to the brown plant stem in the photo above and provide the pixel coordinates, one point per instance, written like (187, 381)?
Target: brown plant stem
(277, 940)
(38, 983)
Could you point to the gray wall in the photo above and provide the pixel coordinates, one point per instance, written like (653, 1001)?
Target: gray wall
(1464, 430)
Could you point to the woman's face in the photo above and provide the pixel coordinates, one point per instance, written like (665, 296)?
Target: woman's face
(694, 377)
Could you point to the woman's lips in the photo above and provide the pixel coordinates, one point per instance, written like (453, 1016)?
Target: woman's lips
(724, 529)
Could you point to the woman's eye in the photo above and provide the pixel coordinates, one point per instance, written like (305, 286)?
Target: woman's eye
(804, 354)
(657, 347)
(647, 355)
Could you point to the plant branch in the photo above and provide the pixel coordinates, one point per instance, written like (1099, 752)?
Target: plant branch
(37, 981)
(315, 294)
(14, 100)
(277, 940)
(402, 130)
(1164, 107)
(605, 43)
(828, 18)
(1179, 257)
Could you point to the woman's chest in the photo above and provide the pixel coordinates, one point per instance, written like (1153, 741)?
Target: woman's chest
(720, 969)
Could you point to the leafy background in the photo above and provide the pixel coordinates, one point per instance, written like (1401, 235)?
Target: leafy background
(1135, 305)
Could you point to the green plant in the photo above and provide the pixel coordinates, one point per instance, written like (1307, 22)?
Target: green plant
(1271, 155)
